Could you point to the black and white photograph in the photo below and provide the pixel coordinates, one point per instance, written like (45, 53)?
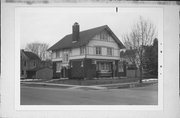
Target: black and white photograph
(99, 58)
(84, 56)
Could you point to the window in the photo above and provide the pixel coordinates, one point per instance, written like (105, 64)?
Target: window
(98, 51)
(82, 50)
(104, 66)
(104, 36)
(58, 67)
(109, 51)
(65, 57)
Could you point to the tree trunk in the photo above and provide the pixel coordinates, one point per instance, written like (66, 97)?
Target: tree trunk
(140, 79)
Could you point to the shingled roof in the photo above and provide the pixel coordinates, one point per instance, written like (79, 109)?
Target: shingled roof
(85, 37)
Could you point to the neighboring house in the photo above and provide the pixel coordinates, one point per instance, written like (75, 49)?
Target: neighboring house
(87, 54)
(29, 61)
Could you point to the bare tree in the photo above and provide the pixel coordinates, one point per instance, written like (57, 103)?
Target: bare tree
(39, 48)
(141, 35)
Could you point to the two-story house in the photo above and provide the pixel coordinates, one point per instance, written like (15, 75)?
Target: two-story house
(87, 54)
(29, 61)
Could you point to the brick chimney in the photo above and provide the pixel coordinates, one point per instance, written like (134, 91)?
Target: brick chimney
(75, 32)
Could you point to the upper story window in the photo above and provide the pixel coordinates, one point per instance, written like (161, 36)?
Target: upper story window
(109, 51)
(57, 54)
(82, 50)
(98, 50)
(65, 57)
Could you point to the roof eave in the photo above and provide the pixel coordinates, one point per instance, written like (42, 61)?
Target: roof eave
(120, 44)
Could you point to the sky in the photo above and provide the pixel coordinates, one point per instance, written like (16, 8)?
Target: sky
(50, 24)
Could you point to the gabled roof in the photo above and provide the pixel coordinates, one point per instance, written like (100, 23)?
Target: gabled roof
(31, 55)
(85, 37)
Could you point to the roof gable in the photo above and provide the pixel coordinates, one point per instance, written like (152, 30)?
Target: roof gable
(85, 37)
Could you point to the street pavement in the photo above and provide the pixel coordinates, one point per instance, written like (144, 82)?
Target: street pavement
(83, 96)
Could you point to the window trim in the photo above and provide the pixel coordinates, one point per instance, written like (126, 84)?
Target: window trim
(104, 66)
(109, 49)
(99, 51)
(64, 59)
(104, 36)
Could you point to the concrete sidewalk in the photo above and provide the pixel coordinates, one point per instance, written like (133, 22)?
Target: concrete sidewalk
(97, 87)
(63, 85)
